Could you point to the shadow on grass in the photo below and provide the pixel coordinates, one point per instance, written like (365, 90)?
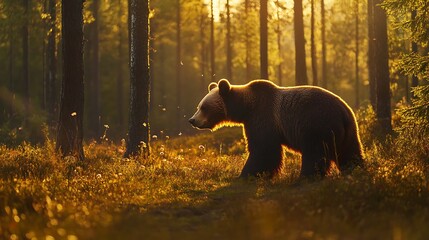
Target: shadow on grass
(184, 220)
(333, 208)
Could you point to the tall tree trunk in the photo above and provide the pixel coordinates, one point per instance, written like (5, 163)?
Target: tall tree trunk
(138, 133)
(313, 47)
(119, 79)
(212, 47)
(93, 78)
(70, 132)
(371, 52)
(324, 82)
(51, 65)
(162, 82)
(263, 24)
(178, 68)
(246, 9)
(202, 50)
(300, 64)
(279, 44)
(383, 108)
(357, 81)
(25, 66)
(228, 42)
(11, 110)
(414, 49)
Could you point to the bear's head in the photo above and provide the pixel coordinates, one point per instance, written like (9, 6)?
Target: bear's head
(212, 110)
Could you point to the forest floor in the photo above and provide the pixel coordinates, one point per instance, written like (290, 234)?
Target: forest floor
(188, 189)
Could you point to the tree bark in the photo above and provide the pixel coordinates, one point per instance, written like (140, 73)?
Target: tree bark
(178, 68)
(212, 47)
(11, 85)
(139, 130)
(357, 81)
(70, 132)
(300, 64)
(313, 47)
(203, 84)
(228, 42)
(119, 79)
(263, 22)
(50, 101)
(279, 45)
(371, 56)
(246, 9)
(93, 78)
(414, 49)
(383, 108)
(324, 82)
(25, 66)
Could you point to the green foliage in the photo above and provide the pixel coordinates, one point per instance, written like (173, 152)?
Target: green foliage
(412, 17)
(367, 123)
(417, 26)
(414, 119)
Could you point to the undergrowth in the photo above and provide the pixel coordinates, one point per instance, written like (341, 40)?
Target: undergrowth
(188, 189)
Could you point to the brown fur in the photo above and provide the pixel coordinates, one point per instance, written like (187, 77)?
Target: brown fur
(307, 119)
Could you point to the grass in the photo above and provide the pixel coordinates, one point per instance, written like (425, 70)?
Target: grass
(189, 189)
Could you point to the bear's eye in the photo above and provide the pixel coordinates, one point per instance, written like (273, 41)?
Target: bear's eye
(203, 108)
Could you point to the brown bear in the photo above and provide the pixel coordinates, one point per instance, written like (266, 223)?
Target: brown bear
(307, 119)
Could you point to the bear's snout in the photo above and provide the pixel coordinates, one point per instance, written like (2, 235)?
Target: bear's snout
(192, 121)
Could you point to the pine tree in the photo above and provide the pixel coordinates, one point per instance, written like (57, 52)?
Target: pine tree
(70, 124)
(415, 118)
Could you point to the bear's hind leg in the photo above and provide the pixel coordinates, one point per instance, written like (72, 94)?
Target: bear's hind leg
(350, 158)
(314, 164)
(348, 162)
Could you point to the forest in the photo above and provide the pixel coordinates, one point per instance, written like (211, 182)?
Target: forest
(95, 97)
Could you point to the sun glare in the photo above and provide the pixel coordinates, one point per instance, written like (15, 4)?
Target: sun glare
(219, 5)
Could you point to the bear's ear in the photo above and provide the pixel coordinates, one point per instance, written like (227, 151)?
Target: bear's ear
(212, 85)
(224, 87)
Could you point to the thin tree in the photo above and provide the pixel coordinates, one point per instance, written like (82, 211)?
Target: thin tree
(371, 52)
(119, 79)
(11, 84)
(381, 61)
(178, 67)
(93, 78)
(51, 64)
(212, 47)
(25, 66)
(138, 133)
(313, 46)
(70, 131)
(247, 36)
(228, 42)
(263, 39)
(203, 48)
(324, 80)
(414, 49)
(279, 41)
(357, 82)
(300, 64)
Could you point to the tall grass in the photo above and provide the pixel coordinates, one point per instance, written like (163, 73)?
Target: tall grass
(188, 189)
